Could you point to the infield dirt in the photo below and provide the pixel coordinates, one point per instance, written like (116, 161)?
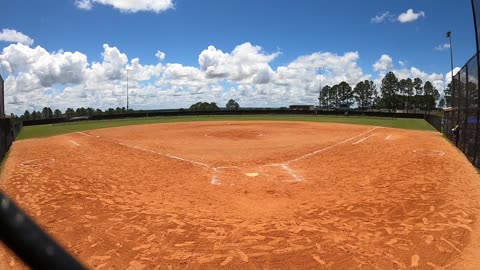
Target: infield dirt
(250, 195)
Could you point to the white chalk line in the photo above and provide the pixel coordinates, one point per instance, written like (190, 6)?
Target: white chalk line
(86, 134)
(215, 180)
(364, 139)
(426, 152)
(75, 143)
(32, 162)
(331, 146)
(388, 137)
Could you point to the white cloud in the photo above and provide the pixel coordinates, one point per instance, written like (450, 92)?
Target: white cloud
(160, 55)
(385, 63)
(410, 16)
(246, 64)
(448, 75)
(386, 16)
(442, 47)
(156, 6)
(84, 4)
(12, 36)
(37, 78)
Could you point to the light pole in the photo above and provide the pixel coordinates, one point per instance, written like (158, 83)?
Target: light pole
(128, 69)
(320, 85)
(449, 36)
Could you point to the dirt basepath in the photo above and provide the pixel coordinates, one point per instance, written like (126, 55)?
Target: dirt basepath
(250, 195)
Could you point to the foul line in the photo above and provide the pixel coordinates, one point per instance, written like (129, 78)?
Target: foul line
(364, 139)
(150, 151)
(331, 146)
(215, 180)
(75, 143)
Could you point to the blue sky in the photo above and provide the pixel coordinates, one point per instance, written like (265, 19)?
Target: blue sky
(278, 33)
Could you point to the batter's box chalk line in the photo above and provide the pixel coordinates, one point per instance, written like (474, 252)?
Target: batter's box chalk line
(229, 175)
(427, 152)
(38, 162)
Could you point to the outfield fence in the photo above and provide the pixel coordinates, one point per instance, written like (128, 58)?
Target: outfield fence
(9, 130)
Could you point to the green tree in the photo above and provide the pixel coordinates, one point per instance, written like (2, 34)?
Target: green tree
(204, 106)
(325, 96)
(57, 113)
(232, 105)
(90, 111)
(333, 97)
(98, 112)
(26, 115)
(410, 91)
(360, 94)
(34, 115)
(430, 92)
(70, 112)
(418, 86)
(47, 113)
(345, 93)
(448, 95)
(389, 90)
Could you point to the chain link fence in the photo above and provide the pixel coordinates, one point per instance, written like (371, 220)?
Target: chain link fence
(461, 121)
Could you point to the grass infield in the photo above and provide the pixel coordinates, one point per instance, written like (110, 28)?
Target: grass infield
(63, 128)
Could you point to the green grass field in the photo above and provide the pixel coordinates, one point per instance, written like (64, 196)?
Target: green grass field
(57, 129)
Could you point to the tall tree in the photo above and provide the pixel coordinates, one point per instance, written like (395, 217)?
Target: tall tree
(364, 93)
(26, 115)
(334, 99)
(418, 85)
(47, 113)
(345, 93)
(70, 112)
(232, 105)
(34, 115)
(448, 95)
(90, 111)
(325, 96)
(402, 88)
(429, 98)
(410, 91)
(389, 89)
(57, 113)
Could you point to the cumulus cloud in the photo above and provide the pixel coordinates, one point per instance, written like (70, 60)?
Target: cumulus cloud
(156, 6)
(37, 78)
(246, 64)
(410, 16)
(84, 4)
(442, 47)
(386, 16)
(385, 63)
(160, 55)
(12, 36)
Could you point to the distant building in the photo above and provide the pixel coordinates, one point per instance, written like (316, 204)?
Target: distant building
(302, 107)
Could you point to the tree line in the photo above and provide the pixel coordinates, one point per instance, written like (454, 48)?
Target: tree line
(48, 113)
(206, 106)
(394, 94)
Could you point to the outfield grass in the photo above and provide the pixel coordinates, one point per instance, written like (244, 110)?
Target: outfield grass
(57, 129)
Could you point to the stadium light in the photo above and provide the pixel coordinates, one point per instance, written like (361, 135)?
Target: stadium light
(128, 69)
(320, 89)
(449, 36)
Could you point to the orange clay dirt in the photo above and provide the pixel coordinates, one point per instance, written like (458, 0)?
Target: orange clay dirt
(250, 195)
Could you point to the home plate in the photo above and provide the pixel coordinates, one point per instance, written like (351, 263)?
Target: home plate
(254, 174)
